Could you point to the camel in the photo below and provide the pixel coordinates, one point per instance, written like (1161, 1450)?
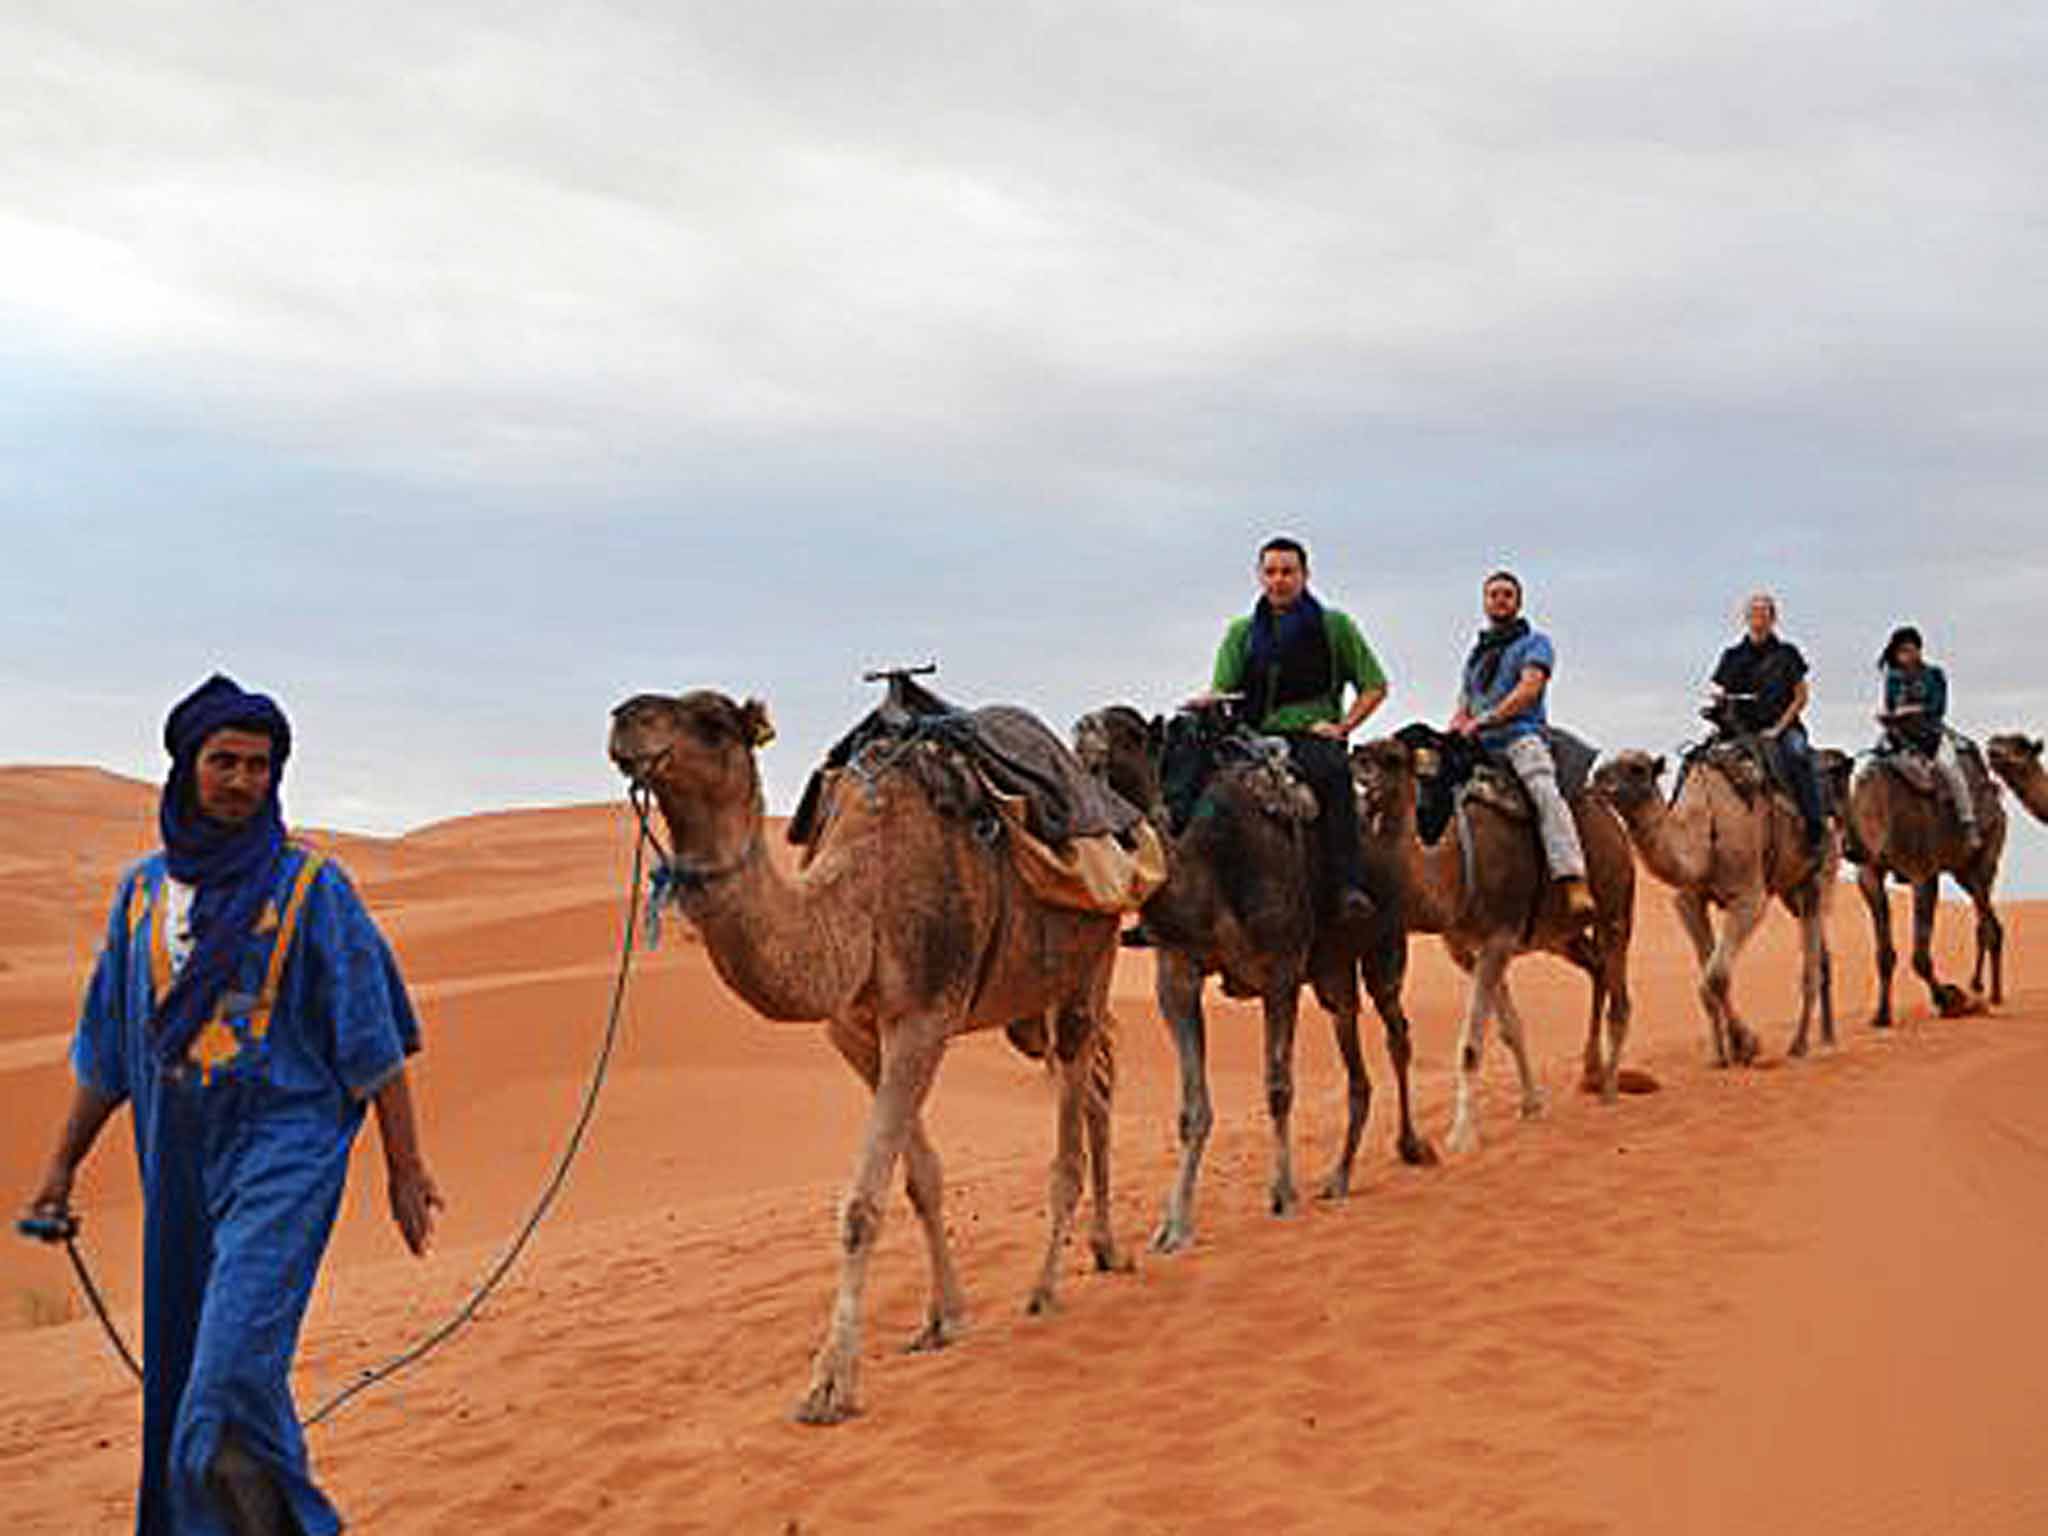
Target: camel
(1914, 834)
(2017, 760)
(1730, 840)
(1238, 903)
(1484, 888)
(904, 928)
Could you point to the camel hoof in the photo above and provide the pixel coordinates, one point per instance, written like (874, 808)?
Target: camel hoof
(935, 1335)
(1880, 1021)
(1536, 1105)
(1284, 1202)
(1462, 1140)
(1041, 1303)
(828, 1402)
(1417, 1152)
(1797, 1047)
(1171, 1238)
(1108, 1261)
(1336, 1187)
(1957, 1004)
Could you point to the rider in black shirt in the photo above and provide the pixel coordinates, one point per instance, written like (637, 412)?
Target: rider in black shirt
(1761, 680)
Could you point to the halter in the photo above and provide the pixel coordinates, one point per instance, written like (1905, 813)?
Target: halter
(672, 881)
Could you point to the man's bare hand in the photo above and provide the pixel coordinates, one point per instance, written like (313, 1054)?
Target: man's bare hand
(53, 1197)
(1332, 730)
(414, 1199)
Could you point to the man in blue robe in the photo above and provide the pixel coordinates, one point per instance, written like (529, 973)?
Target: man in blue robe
(247, 1010)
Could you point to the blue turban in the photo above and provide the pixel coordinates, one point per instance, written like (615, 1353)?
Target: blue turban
(231, 867)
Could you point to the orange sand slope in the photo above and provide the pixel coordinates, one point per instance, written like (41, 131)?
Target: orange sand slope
(1797, 1299)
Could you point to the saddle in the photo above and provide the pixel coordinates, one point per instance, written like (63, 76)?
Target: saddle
(1467, 774)
(1744, 761)
(1201, 745)
(1006, 748)
(1914, 768)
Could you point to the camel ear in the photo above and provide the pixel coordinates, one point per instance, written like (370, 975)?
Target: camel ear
(2034, 747)
(756, 729)
(1155, 733)
(1657, 767)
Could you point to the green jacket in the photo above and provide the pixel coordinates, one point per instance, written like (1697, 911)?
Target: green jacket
(1351, 661)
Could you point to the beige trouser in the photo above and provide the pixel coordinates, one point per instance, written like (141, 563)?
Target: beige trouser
(1530, 757)
(1949, 765)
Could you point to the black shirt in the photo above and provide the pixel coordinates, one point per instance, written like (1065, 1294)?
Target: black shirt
(1771, 671)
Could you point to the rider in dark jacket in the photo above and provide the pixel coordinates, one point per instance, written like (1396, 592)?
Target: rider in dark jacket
(1761, 685)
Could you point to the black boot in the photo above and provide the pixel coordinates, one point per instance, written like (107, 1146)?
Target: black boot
(248, 1496)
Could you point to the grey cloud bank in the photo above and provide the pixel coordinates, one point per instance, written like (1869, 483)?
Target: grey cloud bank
(455, 375)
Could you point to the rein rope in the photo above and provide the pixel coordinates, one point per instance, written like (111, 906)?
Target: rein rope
(644, 838)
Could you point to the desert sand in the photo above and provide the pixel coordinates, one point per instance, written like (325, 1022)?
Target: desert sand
(1796, 1298)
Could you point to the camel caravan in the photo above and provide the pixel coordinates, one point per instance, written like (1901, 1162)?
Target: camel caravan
(963, 869)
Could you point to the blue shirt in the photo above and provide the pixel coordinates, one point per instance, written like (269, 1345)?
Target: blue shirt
(1532, 650)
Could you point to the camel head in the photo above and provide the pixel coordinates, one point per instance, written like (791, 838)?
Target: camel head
(2010, 754)
(1121, 747)
(1629, 779)
(1383, 771)
(695, 753)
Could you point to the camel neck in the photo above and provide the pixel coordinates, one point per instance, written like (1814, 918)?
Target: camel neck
(771, 938)
(1665, 836)
(1430, 877)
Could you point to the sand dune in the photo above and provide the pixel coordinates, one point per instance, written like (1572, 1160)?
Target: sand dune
(1793, 1299)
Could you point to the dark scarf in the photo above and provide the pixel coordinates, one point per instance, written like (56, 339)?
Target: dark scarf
(1484, 662)
(1297, 642)
(231, 868)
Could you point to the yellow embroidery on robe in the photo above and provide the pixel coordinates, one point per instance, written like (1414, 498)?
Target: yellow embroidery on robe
(214, 1047)
(267, 923)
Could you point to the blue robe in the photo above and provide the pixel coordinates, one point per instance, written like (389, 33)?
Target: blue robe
(244, 1149)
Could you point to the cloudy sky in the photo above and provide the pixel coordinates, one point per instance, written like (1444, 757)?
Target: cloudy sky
(453, 373)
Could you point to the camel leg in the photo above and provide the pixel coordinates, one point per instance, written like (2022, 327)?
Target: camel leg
(1593, 1070)
(1804, 904)
(1282, 1006)
(909, 1059)
(1064, 1183)
(1384, 974)
(1870, 881)
(1485, 973)
(1620, 1008)
(1593, 953)
(1098, 1093)
(1744, 914)
(1948, 998)
(1179, 989)
(1534, 1100)
(1990, 941)
(924, 1180)
(1358, 1099)
(1691, 908)
(1824, 885)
